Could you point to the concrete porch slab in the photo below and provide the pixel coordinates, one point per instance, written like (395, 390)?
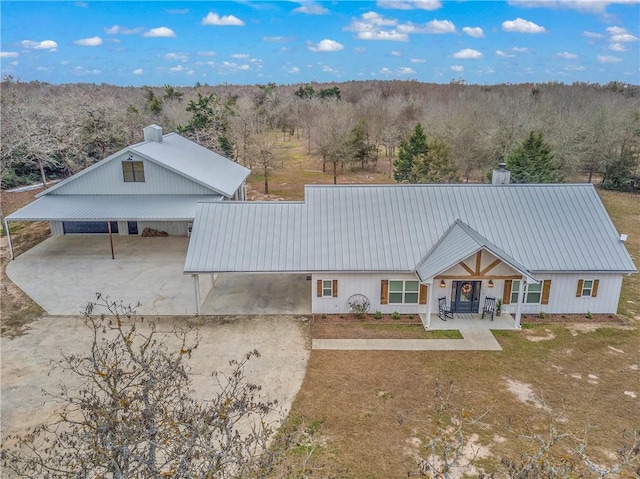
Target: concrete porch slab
(470, 321)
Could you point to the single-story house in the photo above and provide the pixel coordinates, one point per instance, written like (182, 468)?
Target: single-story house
(153, 184)
(538, 248)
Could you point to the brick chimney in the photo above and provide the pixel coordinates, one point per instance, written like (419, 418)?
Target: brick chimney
(153, 133)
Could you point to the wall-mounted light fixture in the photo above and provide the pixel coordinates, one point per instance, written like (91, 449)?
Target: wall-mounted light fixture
(490, 283)
(442, 283)
(130, 158)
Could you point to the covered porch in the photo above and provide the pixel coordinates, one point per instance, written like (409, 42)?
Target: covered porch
(467, 321)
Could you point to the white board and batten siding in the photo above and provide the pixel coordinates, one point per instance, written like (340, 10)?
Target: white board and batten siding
(107, 179)
(367, 284)
(563, 297)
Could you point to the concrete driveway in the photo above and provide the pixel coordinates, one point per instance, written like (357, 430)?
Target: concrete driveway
(63, 273)
(26, 361)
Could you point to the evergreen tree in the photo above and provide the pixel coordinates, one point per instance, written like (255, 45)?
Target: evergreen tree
(361, 151)
(532, 162)
(434, 165)
(409, 150)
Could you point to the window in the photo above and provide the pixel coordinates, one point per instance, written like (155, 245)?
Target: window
(587, 288)
(133, 171)
(327, 288)
(532, 293)
(403, 292)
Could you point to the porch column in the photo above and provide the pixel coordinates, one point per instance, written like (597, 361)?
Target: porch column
(196, 282)
(428, 306)
(523, 283)
(5, 225)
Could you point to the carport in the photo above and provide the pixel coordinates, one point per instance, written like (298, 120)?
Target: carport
(267, 293)
(63, 273)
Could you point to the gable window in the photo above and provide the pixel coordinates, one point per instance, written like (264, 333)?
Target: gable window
(403, 292)
(587, 288)
(327, 288)
(133, 171)
(532, 293)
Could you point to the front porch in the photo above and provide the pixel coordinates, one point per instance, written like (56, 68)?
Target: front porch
(467, 321)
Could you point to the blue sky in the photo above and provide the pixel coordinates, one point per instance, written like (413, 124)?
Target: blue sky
(251, 42)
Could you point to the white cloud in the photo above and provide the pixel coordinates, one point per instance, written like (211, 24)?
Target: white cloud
(592, 34)
(8, 54)
(43, 45)
(457, 68)
(433, 27)
(325, 45)
(520, 50)
(406, 71)
(608, 59)
(311, 8)
(277, 39)
(502, 54)
(359, 50)
(377, 19)
(160, 32)
(624, 37)
(390, 35)
(293, 70)
(418, 60)
(520, 25)
(574, 68)
(617, 47)
(118, 30)
(138, 71)
(225, 20)
(89, 42)
(183, 57)
(410, 4)
(467, 53)
(207, 53)
(234, 66)
(475, 32)
(177, 69)
(586, 6)
(240, 55)
(386, 71)
(567, 55)
(83, 71)
(396, 53)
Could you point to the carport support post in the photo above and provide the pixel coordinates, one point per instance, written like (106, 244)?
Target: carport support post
(428, 306)
(5, 225)
(110, 239)
(196, 283)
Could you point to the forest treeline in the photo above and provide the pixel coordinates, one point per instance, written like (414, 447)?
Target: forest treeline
(591, 132)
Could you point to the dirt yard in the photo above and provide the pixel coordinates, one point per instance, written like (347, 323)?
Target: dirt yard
(283, 343)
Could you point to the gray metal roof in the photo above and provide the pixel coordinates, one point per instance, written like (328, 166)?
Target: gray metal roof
(110, 207)
(184, 157)
(456, 245)
(393, 227)
(195, 162)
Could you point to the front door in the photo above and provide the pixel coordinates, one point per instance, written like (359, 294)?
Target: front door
(465, 296)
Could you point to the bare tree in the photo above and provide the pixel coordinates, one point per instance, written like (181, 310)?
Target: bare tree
(334, 125)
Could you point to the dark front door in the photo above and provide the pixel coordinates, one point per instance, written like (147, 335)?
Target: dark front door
(465, 296)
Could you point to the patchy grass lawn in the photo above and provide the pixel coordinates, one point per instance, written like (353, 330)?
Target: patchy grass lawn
(378, 331)
(18, 309)
(376, 408)
(624, 210)
(294, 168)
